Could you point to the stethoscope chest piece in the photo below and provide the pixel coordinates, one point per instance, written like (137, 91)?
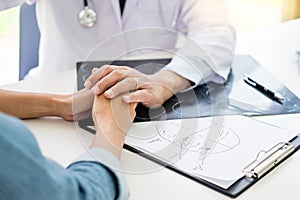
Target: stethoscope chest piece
(87, 17)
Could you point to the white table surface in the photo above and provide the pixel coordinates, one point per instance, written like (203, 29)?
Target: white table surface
(274, 48)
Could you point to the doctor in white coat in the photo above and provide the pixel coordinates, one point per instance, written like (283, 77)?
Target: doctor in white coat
(69, 33)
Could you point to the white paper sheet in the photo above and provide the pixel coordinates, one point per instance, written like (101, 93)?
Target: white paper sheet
(215, 149)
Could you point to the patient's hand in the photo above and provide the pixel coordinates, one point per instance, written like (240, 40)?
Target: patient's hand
(77, 106)
(112, 119)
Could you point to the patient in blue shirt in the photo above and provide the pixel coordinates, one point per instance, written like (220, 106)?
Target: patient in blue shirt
(26, 174)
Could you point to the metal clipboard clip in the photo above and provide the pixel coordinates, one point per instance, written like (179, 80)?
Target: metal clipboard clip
(265, 160)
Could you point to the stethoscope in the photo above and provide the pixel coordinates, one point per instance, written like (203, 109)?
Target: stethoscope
(87, 17)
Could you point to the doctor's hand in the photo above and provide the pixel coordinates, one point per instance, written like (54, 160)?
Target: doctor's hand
(150, 90)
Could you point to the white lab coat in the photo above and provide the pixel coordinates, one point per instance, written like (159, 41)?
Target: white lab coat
(207, 55)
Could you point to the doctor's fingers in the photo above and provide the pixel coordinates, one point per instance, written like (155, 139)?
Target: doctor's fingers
(98, 74)
(145, 96)
(109, 80)
(125, 85)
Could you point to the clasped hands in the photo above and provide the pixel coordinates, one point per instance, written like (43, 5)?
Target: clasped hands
(133, 87)
(116, 90)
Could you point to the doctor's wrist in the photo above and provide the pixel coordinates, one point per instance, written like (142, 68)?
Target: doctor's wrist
(171, 82)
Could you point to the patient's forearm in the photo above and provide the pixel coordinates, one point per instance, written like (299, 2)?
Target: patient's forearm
(109, 136)
(32, 105)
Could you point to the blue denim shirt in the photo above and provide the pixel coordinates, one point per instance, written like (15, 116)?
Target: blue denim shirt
(26, 174)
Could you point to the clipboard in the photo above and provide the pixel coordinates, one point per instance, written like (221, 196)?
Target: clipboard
(273, 157)
(265, 160)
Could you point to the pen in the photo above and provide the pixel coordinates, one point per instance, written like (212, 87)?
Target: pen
(275, 96)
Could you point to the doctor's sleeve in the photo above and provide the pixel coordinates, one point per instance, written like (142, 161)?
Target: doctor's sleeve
(209, 48)
(5, 4)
